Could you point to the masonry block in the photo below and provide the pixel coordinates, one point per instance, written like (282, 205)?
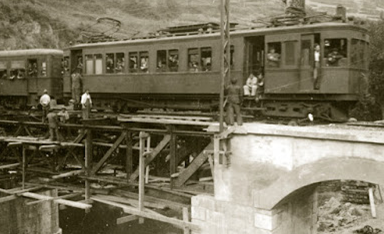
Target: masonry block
(266, 221)
(198, 213)
(204, 201)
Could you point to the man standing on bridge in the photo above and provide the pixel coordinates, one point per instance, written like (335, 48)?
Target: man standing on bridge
(234, 98)
(45, 99)
(76, 86)
(86, 104)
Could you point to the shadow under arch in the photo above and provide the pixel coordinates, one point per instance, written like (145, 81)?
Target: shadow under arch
(323, 170)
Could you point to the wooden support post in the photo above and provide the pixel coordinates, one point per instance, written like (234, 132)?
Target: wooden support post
(88, 164)
(23, 167)
(173, 160)
(372, 202)
(186, 219)
(143, 137)
(129, 154)
(126, 219)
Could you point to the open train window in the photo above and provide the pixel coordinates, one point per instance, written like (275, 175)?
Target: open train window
(161, 61)
(17, 70)
(206, 59)
(32, 68)
(109, 63)
(144, 61)
(43, 68)
(173, 61)
(120, 63)
(193, 60)
(290, 53)
(65, 65)
(89, 64)
(133, 59)
(335, 52)
(274, 54)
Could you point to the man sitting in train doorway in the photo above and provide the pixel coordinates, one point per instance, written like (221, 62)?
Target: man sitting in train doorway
(76, 87)
(250, 86)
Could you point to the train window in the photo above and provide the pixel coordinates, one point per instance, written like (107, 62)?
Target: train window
(109, 63)
(98, 64)
(64, 65)
(32, 68)
(133, 62)
(120, 63)
(335, 52)
(206, 59)
(173, 63)
(273, 55)
(193, 60)
(290, 53)
(306, 52)
(161, 61)
(43, 68)
(144, 60)
(17, 70)
(89, 65)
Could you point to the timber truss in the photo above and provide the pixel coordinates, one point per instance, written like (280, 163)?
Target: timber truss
(115, 165)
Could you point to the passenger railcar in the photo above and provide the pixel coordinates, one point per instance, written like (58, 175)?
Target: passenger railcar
(183, 71)
(24, 74)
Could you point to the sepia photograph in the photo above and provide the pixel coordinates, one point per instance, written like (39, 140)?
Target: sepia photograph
(191, 116)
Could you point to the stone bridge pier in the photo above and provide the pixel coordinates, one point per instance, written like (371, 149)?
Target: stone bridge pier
(267, 184)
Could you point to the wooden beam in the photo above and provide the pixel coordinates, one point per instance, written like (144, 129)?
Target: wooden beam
(7, 198)
(145, 214)
(88, 163)
(150, 157)
(186, 219)
(126, 219)
(143, 138)
(129, 154)
(59, 201)
(193, 167)
(67, 174)
(9, 166)
(131, 201)
(109, 153)
(173, 160)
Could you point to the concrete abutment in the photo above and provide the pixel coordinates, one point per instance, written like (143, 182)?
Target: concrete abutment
(269, 186)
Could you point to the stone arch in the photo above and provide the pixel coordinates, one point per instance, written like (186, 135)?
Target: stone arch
(323, 170)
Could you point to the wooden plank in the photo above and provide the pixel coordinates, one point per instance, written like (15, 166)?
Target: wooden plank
(131, 201)
(59, 201)
(9, 166)
(67, 174)
(193, 167)
(71, 195)
(152, 155)
(173, 160)
(143, 139)
(126, 219)
(145, 214)
(109, 153)
(7, 198)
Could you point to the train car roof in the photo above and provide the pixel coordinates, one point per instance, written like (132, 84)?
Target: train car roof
(335, 25)
(9, 53)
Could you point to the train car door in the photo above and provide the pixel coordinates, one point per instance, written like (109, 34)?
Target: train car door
(254, 60)
(32, 73)
(76, 60)
(307, 64)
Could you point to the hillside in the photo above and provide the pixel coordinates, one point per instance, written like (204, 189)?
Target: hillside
(54, 23)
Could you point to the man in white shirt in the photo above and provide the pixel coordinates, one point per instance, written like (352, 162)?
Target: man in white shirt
(316, 66)
(250, 86)
(45, 99)
(86, 104)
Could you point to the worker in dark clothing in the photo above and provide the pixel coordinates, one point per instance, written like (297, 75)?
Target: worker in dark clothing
(234, 99)
(53, 126)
